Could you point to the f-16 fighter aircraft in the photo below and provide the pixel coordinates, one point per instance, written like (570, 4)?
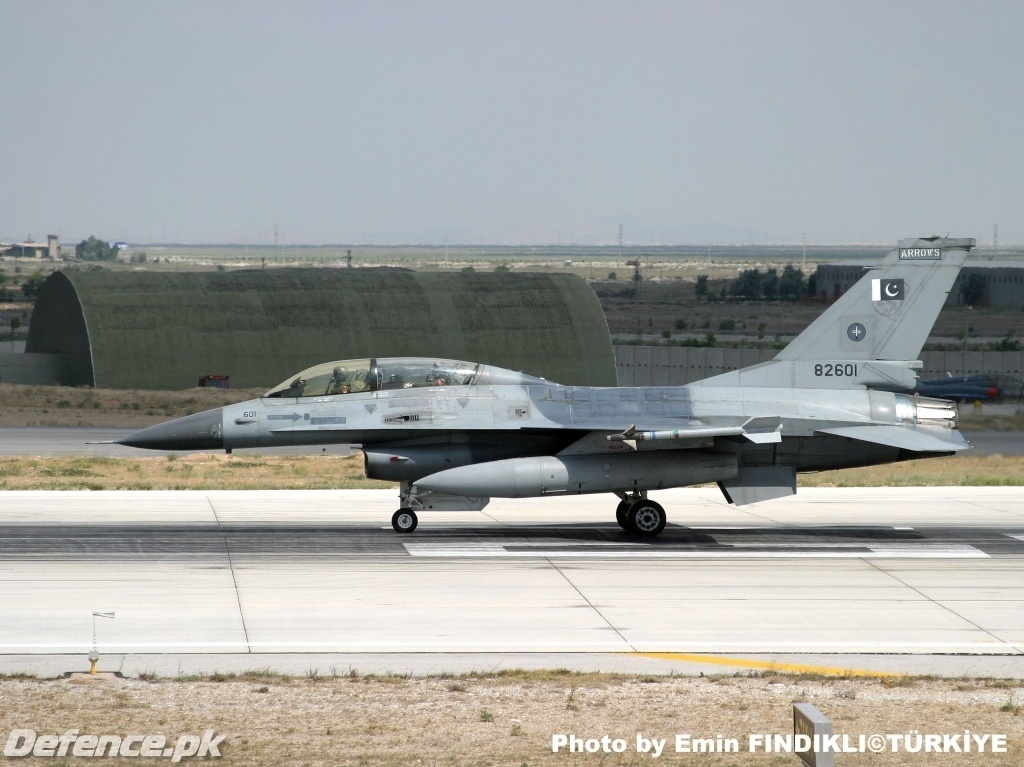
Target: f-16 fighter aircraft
(456, 434)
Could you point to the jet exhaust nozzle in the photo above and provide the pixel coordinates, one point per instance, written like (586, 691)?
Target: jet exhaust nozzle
(201, 431)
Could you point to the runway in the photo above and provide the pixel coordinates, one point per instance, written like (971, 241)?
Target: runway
(924, 580)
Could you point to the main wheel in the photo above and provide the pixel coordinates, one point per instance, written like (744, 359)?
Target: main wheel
(622, 515)
(646, 518)
(404, 521)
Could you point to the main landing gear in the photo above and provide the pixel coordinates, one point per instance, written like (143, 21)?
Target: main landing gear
(635, 514)
(640, 516)
(404, 521)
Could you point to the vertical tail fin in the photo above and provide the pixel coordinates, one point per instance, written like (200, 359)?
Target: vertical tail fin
(873, 335)
(889, 312)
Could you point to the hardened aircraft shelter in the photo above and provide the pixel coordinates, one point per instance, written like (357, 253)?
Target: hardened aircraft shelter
(143, 330)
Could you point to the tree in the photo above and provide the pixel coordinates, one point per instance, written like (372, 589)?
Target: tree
(96, 250)
(770, 285)
(747, 285)
(791, 284)
(973, 289)
(33, 284)
(812, 284)
(701, 288)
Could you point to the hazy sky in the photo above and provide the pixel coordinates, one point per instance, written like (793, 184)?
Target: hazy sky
(511, 122)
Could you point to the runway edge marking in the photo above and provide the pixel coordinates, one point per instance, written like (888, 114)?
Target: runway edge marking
(765, 665)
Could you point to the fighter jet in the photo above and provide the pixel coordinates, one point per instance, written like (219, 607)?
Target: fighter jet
(977, 387)
(456, 434)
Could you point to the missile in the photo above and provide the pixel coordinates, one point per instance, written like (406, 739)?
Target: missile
(571, 475)
(759, 430)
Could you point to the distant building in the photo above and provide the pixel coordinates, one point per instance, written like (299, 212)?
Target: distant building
(1004, 282)
(30, 249)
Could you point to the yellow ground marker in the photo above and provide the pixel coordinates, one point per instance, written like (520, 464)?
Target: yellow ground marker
(765, 665)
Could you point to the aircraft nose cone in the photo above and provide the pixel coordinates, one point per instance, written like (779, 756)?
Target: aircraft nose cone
(201, 431)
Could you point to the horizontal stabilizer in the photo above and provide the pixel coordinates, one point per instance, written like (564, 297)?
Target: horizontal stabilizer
(759, 483)
(918, 439)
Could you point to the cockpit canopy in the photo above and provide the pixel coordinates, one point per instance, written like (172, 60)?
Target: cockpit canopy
(353, 376)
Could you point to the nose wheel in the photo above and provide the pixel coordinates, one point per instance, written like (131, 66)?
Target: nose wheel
(404, 521)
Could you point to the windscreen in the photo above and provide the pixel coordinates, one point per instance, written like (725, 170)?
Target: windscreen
(353, 376)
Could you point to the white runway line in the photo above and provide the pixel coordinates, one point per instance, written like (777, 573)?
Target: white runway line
(733, 551)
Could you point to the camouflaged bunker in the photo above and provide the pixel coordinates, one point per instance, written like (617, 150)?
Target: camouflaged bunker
(147, 330)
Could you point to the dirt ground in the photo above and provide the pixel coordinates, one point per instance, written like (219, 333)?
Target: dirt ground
(512, 718)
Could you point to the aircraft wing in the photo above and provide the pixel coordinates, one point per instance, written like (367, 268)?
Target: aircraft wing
(915, 438)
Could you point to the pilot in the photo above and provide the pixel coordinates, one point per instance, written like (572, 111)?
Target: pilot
(339, 382)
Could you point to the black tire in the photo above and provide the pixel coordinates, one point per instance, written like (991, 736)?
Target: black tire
(622, 515)
(646, 518)
(404, 521)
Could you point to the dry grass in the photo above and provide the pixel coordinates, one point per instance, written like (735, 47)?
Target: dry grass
(197, 471)
(968, 470)
(508, 719)
(22, 405)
